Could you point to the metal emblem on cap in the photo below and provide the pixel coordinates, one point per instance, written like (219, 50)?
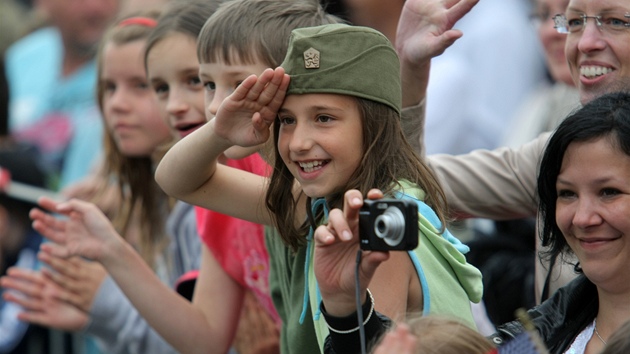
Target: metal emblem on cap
(311, 58)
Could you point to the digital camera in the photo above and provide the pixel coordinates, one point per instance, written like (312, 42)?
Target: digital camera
(388, 225)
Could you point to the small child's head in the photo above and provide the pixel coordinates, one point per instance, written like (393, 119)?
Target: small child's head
(437, 335)
(339, 126)
(172, 65)
(245, 37)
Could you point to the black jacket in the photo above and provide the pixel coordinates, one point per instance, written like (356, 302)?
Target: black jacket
(560, 318)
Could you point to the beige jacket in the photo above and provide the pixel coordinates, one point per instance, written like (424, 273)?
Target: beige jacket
(496, 184)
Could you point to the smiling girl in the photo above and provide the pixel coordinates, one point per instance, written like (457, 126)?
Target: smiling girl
(332, 136)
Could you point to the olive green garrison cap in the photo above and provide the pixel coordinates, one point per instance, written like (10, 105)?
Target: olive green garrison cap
(343, 59)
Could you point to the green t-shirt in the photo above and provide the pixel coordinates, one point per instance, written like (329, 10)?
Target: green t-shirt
(450, 281)
(286, 282)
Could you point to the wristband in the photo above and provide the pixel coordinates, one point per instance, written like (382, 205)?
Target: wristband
(367, 319)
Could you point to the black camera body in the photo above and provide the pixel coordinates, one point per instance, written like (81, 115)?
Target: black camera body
(388, 225)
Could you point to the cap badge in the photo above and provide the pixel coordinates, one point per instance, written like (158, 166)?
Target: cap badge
(311, 58)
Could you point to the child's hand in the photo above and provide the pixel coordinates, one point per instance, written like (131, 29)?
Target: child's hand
(336, 249)
(85, 232)
(78, 279)
(245, 116)
(90, 189)
(34, 292)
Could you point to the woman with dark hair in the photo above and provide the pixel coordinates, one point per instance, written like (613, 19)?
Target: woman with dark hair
(584, 192)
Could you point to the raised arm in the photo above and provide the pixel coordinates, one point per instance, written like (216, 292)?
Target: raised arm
(497, 184)
(189, 171)
(206, 325)
(425, 30)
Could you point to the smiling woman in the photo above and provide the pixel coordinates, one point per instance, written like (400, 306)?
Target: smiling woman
(584, 190)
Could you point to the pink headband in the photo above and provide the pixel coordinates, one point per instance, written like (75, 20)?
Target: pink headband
(140, 21)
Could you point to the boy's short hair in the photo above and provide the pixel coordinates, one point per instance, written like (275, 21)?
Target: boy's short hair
(253, 31)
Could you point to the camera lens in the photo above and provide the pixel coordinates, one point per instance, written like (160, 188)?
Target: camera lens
(390, 226)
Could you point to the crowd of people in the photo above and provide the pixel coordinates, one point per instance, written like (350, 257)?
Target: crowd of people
(246, 176)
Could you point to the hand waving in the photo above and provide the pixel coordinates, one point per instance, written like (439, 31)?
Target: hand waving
(425, 27)
(425, 31)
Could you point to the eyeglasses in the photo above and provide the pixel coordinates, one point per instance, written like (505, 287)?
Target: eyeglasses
(607, 23)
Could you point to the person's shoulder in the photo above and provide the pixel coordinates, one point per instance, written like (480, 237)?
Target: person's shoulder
(43, 40)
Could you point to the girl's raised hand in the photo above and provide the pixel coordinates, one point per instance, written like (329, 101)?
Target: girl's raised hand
(336, 247)
(85, 230)
(245, 116)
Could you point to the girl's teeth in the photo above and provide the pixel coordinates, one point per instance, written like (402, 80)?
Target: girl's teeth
(311, 166)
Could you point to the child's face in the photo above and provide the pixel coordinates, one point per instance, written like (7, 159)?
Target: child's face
(130, 109)
(220, 80)
(173, 72)
(320, 140)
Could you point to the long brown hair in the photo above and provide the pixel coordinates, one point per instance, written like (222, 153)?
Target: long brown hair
(140, 197)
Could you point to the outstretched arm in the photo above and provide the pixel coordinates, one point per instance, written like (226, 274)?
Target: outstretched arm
(497, 184)
(189, 170)
(204, 326)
